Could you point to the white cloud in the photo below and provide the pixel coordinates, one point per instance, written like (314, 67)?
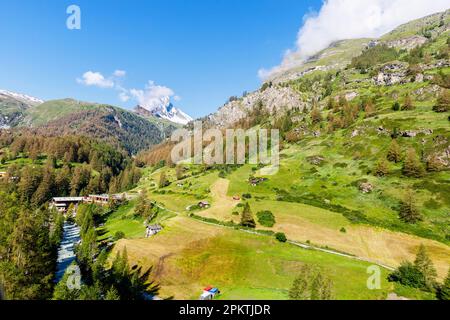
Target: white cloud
(350, 19)
(120, 73)
(95, 79)
(152, 96)
(124, 97)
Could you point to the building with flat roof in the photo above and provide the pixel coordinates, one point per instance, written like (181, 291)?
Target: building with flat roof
(62, 204)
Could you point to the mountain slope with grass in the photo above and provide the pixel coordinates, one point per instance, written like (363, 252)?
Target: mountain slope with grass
(114, 125)
(364, 178)
(13, 107)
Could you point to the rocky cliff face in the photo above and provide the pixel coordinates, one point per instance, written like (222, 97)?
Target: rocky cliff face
(338, 56)
(272, 98)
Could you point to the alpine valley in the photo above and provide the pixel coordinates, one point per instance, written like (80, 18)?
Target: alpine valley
(363, 190)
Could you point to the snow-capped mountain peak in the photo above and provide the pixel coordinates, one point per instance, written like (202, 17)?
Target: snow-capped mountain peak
(32, 101)
(167, 112)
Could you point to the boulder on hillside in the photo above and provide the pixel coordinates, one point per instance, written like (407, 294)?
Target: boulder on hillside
(366, 187)
(316, 160)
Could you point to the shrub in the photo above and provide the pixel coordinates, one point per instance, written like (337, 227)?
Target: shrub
(394, 153)
(382, 168)
(412, 166)
(343, 230)
(443, 102)
(281, 237)
(266, 218)
(408, 105)
(408, 209)
(118, 235)
(246, 196)
(408, 275)
(396, 106)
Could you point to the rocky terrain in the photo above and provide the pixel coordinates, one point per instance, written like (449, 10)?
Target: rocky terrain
(275, 95)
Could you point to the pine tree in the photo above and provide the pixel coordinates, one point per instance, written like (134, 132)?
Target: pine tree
(394, 153)
(112, 294)
(299, 289)
(408, 210)
(424, 264)
(162, 180)
(412, 166)
(316, 115)
(144, 206)
(408, 105)
(433, 164)
(331, 103)
(46, 189)
(443, 102)
(369, 109)
(382, 168)
(444, 290)
(311, 284)
(62, 181)
(247, 217)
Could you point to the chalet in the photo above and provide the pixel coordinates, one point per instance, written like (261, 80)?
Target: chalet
(237, 198)
(62, 204)
(256, 181)
(101, 200)
(204, 204)
(152, 230)
(2, 174)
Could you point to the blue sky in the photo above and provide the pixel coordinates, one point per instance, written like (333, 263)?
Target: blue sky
(203, 50)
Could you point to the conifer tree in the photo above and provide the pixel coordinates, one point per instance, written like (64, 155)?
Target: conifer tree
(444, 290)
(424, 264)
(112, 294)
(408, 105)
(412, 166)
(382, 168)
(311, 284)
(316, 115)
(408, 210)
(433, 164)
(394, 153)
(247, 219)
(162, 180)
(443, 102)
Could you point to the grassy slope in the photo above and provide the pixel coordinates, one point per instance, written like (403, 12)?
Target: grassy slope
(189, 255)
(53, 110)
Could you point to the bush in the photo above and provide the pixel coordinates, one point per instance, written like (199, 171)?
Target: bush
(281, 237)
(443, 102)
(118, 235)
(246, 196)
(266, 218)
(343, 230)
(408, 275)
(396, 106)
